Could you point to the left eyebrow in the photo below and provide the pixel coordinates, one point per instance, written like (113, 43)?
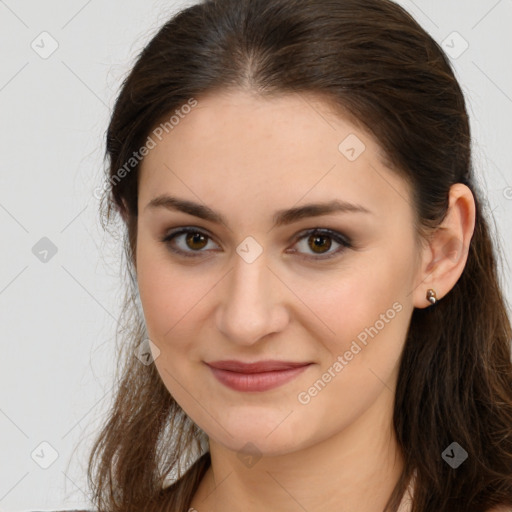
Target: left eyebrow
(280, 218)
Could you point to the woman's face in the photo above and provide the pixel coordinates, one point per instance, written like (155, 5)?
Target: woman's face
(257, 285)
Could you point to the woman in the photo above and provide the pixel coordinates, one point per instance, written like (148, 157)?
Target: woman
(315, 312)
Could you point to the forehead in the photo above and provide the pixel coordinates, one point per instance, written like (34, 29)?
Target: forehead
(238, 147)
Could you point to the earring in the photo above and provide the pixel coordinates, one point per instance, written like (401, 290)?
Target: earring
(431, 296)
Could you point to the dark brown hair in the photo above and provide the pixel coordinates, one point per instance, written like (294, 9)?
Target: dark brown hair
(371, 60)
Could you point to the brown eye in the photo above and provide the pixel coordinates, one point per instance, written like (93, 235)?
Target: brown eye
(195, 240)
(187, 242)
(320, 241)
(191, 242)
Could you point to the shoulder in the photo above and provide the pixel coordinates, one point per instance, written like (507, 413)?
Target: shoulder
(500, 508)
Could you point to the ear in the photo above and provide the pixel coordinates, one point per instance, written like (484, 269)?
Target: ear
(445, 256)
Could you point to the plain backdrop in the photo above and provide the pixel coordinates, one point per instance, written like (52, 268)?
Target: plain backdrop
(59, 273)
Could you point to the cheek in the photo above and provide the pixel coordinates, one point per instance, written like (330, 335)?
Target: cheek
(368, 300)
(170, 299)
(164, 295)
(173, 299)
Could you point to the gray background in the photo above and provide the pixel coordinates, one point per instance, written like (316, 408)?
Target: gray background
(58, 317)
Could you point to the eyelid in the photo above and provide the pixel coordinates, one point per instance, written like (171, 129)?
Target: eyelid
(175, 233)
(344, 241)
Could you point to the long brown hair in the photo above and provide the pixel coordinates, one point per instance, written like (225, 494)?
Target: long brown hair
(374, 62)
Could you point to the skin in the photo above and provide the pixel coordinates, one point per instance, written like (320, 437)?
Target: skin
(246, 157)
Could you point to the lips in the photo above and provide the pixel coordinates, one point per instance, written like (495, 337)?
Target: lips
(258, 376)
(257, 367)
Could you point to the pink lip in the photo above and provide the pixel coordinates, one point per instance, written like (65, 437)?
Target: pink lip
(259, 376)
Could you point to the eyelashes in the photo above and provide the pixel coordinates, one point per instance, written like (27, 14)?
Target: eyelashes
(317, 237)
(194, 235)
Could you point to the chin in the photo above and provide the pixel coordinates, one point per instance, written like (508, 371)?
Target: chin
(263, 438)
(261, 445)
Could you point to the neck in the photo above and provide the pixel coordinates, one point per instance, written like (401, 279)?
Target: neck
(354, 469)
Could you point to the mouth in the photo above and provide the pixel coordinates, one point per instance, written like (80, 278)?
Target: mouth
(258, 376)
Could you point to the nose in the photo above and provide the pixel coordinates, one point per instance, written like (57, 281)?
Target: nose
(251, 305)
